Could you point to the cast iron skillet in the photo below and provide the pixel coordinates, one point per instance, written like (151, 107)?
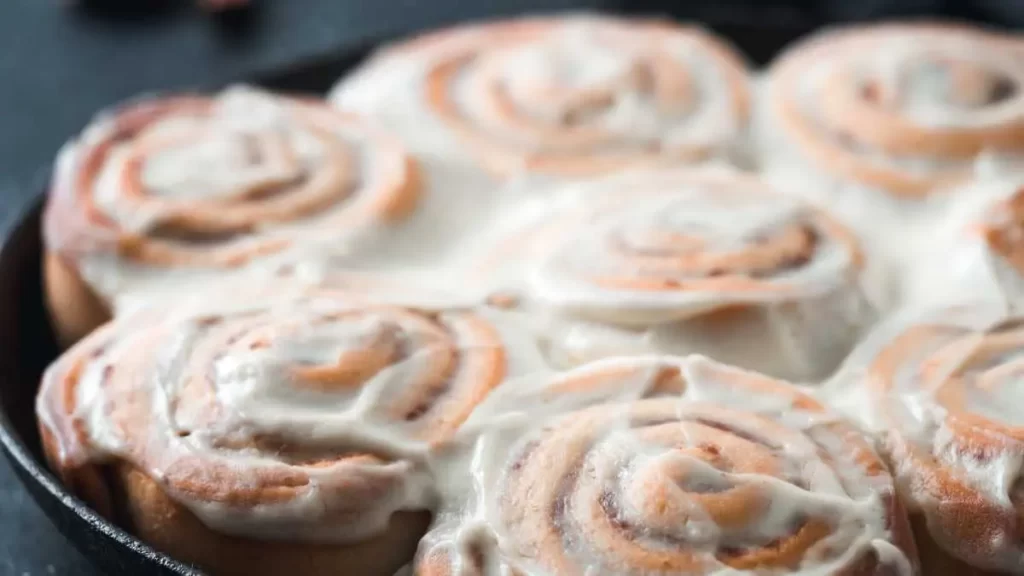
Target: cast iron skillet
(27, 343)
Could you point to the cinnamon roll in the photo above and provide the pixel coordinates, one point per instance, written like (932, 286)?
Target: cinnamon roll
(179, 188)
(902, 108)
(570, 95)
(680, 261)
(666, 465)
(941, 389)
(285, 428)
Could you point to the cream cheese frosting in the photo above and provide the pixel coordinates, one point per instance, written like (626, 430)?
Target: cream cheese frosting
(663, 465)
(177, 190)
(576, 94)
(970, 248)
(284, 410)
(941, 388)
(686, 260)
(907, 109)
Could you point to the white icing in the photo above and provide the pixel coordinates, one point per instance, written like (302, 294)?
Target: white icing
(618, 462)
(716, 215)
(797, 321)
(246, 140)
(977, 349)
(250, 358)
(948, 259)
(908, 62)
(906, 66)
(243, 123)
(551, 70)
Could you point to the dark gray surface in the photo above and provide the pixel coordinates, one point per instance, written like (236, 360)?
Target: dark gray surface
(29, 544)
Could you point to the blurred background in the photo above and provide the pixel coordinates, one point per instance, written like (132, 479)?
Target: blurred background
(62, 60)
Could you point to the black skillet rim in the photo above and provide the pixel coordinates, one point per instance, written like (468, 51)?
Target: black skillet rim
(44, 487)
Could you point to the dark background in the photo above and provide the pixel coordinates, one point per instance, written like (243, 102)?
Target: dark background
(60, 62)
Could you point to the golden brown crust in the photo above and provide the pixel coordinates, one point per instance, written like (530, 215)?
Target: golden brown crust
(139, 504)
(75, 309)
(939, 371)
(935, 561)
(169, 527)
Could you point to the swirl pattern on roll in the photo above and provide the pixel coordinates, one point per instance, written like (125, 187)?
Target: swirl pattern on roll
(670, 244)
(669, 465)
(904, 108)
(293, 411)
(570, 95)
(946, 387)
(189, 182)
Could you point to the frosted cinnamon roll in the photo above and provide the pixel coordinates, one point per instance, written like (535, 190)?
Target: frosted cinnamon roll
(566, 95)
(906, 109)
(666, 465)
(971, 250)
(167, 190)
(679, 261)
(942, 390)
(281, 429)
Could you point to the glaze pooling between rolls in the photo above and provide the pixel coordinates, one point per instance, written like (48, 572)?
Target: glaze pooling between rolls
(284, 411)
(185, 187)
(942, 388)
(572, 95)
(665, 465)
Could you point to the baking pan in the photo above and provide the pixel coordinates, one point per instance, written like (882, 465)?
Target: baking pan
(27, 343)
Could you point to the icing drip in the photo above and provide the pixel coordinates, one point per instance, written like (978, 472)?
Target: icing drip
(682, 261)
(943, 385)
(679, 243)
(173, 190)
(295, 411)
(663, 465)
(970, 247)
